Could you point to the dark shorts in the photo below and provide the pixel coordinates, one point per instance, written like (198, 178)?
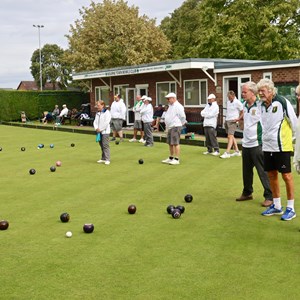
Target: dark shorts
(116, 124)
(279, 161)
(173, 137)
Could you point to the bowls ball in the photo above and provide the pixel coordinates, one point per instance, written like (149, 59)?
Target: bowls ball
(88, 228)
(23, 149)
(170, 208)
(132, 209)
(117, 142)
(188, 198)
(58, 163)
(32, 171)
(65, 217)
(141, 161)
(181, 208)
(176, 213)
(72, 145)
(51, 145)
(4, 224)
(52, 169)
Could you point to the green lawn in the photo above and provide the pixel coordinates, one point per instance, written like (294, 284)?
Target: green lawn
(218, 249)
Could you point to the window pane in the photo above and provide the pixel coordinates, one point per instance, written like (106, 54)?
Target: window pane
(97, 92)
(173, 87)
(162, 91)
(203, 92)
(191, 92)
(105, 95)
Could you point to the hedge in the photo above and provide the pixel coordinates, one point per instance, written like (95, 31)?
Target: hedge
(34, 103)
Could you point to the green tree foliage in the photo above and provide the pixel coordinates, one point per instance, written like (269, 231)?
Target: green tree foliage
(244, 29)
(54, 66)
(112, 34)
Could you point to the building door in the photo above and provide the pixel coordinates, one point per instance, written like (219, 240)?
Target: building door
(233, 84)
(129, 102)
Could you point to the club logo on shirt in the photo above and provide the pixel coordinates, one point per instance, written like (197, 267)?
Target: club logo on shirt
(253, 112)
(274, 110)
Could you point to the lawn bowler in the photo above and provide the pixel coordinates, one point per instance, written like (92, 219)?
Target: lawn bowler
(174, 119)
(102, 128)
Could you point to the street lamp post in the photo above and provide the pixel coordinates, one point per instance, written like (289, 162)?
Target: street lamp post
(41, 76)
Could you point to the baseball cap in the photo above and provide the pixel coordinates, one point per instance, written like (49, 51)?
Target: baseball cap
(171, 95)
(211, 96)
(144, 97)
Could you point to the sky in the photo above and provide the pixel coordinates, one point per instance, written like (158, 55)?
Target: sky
(20, 39)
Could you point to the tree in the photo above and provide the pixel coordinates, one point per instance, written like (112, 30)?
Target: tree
(251, 29)
(112, 34)
(54, 66)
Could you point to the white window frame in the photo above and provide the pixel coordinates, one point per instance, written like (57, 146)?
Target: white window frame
(199, 84)
(98, 91)
(118, 86)
(267, 75)
(157, 96)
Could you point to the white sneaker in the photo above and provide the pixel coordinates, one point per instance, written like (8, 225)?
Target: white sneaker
(132, 140)
(206, 152)
(236, 153)
(166, 161)
(225, 155)
(174, 162)
(216, 153)
(100, 161)
(107, 162)
(142, 141)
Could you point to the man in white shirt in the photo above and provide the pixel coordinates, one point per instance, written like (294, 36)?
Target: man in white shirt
(233, 116)
(118, 116)
(174, 119)
(64, 113)
(210, 114)
(252, 154)
(147, 118)
(137, 126)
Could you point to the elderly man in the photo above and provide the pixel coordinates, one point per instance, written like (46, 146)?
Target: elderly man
(210, 114)
(118, 116)
(279, 122)
(174, 119)
(252, 154)
(64, 113)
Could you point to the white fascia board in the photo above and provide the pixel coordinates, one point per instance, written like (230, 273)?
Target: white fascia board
(144, 69)
(254, 68)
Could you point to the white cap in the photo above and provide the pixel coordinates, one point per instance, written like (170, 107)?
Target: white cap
(149, 99)
(171, 95)
(144, 97)
(211, 96)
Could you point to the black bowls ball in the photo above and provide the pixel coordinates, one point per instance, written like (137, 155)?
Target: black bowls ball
(170, 208)
(176, 214)
(72, 145)
(52, 169)
(32, 171)
(65, 217)
(132, 209)
(141, 161)
(188, 198)
(23, 149)
(88, 228)
(4, 224)
(181, 208)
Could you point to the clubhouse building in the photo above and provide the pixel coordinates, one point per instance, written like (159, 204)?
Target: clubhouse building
(192, 79)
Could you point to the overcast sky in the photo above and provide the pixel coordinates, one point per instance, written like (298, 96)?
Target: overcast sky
(20, 39)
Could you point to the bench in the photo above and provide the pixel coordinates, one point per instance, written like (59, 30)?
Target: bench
(194, 122)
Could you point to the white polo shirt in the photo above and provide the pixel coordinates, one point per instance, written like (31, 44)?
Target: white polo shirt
(252, 135)
(233, 109)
